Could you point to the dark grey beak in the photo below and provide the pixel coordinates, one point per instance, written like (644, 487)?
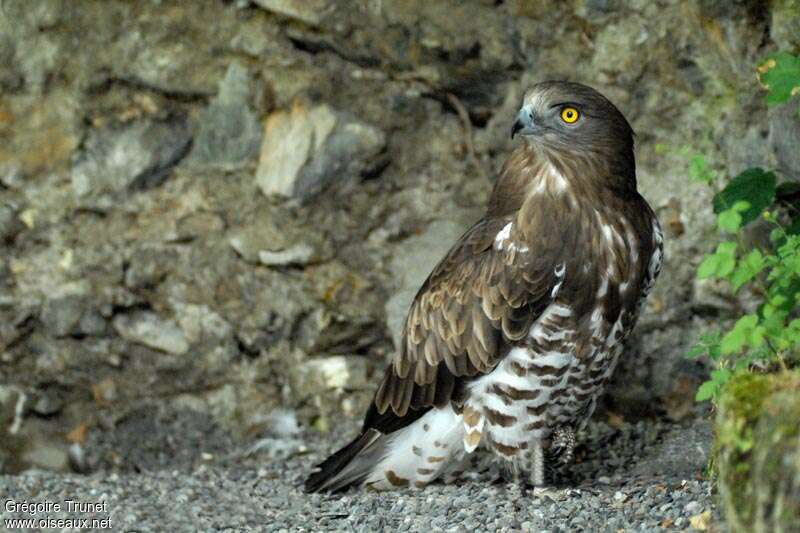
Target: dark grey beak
(523, 124)
(515, 127)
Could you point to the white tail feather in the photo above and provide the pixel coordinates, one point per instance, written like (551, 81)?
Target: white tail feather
(419, 453)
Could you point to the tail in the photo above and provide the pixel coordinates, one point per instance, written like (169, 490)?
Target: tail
(348, 466)
(415, 455)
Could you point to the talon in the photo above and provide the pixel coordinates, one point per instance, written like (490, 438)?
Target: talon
(563, 444)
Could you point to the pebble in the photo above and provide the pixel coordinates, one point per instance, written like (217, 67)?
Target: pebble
(236, 491)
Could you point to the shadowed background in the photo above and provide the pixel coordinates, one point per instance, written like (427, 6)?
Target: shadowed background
(212, 210)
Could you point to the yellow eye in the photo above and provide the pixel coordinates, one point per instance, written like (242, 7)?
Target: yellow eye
(570, 115)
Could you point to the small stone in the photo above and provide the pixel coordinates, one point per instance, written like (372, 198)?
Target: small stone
(306, 149)
(200, 323)
(267, 240)
(46, 403)
(283, 423)
(276, 448)
(229, 133)
(45, 454)
(77, 458)
(299, 254)
(60, 316)
(693, 508)
(325, 373)
(10, 224)
(147, 267)
(784, 138)
(140, 155)
(92, 323)
(148, 329)
(12, 408)
(11, 175)
(309, 11)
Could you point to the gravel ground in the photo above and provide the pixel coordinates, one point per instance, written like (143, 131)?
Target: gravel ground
(642, 477)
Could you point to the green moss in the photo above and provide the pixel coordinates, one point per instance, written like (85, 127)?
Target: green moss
(757, 451)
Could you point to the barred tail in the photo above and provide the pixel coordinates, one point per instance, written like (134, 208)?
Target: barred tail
(413, 455)
(348, 466)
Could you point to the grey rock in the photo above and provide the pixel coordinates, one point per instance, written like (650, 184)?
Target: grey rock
(10, 78)
(784, 137)
(136, 155)
(10, 224)
(326, 373)
(616, 56)
(299, 254)
(267, 239)
(305, 150)
(747, 150)
(37, 63)
(12, 408)
(283, 423)
(784, 26)
(308, 11)
(148, 266)
(201, 324)
(148, 329)
(46, 454)
(693, 508)
(14, 323)
(11, 175)
(92, 323)
(277, 448)
(229, 131)
(46, 403)
(61, 315)
(13, 404)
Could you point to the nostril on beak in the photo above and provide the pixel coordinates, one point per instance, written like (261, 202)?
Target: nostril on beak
(518, 125)
(523, 123)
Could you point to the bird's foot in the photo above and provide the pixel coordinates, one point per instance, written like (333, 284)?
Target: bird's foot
(562, 445)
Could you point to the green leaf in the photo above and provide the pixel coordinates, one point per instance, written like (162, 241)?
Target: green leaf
(721, 375)
(729, 220)
(754, 186)
(780, 75)
(706, 391)
(746, 269)
(708, 267)
(696, 351)
(739, 336)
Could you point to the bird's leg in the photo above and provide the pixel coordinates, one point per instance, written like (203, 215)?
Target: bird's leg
(513, 470)
(537, 464)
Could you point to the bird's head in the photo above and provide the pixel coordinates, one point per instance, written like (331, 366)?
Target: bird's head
(564, 116)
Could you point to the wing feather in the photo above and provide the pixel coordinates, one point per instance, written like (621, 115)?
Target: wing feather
(477, 301)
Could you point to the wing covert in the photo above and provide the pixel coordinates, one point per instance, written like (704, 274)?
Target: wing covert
(481, 297)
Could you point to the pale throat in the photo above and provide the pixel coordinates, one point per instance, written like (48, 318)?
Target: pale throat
(549, 179)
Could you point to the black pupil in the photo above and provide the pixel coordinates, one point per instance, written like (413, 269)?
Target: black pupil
(569, 114)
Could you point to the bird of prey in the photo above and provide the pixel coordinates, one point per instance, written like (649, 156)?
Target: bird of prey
(509, 342)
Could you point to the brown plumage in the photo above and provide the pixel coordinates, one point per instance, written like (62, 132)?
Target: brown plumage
(521, 323)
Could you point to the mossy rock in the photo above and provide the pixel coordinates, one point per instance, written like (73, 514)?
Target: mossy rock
(758, 452)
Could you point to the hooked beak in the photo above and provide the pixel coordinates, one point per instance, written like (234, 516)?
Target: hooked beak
(523, 124)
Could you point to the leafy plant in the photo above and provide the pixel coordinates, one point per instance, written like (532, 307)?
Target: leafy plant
(780, 76)
(770, 336)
